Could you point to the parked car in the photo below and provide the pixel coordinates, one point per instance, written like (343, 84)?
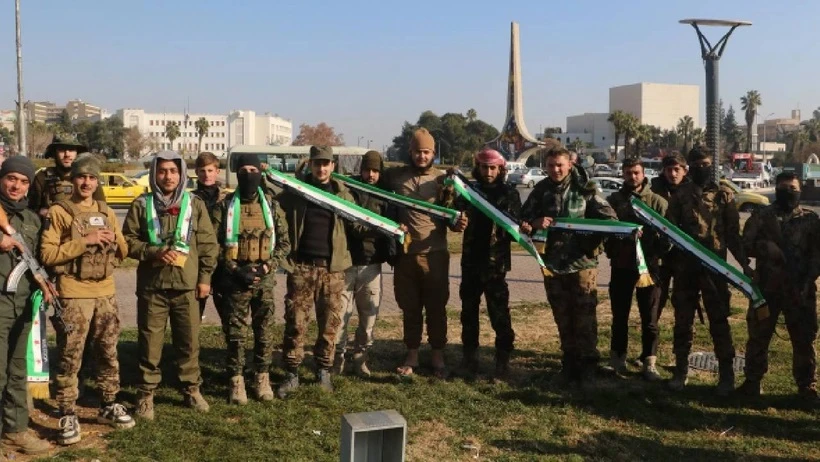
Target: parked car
(141, 179)
(746, 201)
(608, 185)
(528, 177)
(119, 189)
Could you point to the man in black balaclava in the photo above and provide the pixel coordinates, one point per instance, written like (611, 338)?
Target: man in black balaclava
(783, 239)
(253, 237)
(705, 211)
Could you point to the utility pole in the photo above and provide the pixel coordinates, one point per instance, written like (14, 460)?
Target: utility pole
(21, 113)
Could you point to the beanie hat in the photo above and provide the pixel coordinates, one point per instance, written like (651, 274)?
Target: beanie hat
(673, 159)
(85, 164)
(372, 160)
(490, 157)
(696, 154)
(321, 153)
(18, 164)
(422, 139)
(248, 159)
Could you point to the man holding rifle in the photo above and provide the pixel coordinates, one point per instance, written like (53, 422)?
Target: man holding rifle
(16, 175)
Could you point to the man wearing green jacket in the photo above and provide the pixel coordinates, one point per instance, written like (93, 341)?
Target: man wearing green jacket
(316, 272)
(16, 175)
(169, 231)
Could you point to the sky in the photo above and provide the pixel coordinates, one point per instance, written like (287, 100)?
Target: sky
(365, 67)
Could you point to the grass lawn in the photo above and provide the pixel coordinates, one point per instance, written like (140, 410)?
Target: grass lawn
(525, 419)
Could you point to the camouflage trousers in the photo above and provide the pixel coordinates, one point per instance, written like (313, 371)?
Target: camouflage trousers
(573, 298)
(800, 313)
(690, 283)
(97, 319)
(258, 304)
(310, 286)
(421, 286)
(363, 291)
(493, 286)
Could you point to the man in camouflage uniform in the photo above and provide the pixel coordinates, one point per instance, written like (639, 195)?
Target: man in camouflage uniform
(363, 281)
(82, 245)
(249, 257)
(177, 249)
(573, 259)
(316, 266)
(212, 193)
(672, 177)
(485, 261)
(53, 184)
(783, 239)
(16, 175)
(705, 211)
(625, 275)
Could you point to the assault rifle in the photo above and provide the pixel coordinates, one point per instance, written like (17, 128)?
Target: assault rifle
(29, 263)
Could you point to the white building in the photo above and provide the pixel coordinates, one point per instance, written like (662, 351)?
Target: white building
(8, 118)
(589, 127)
(224, 131)
(658, 104)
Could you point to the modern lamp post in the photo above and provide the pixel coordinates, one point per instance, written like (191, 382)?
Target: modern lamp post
(711, 55)
(21, 109)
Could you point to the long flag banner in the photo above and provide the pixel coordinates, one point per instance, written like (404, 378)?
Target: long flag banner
(37, 349)
(709, 259)
(433, 210)
(618, 229)
(508, 224)
(345, 209)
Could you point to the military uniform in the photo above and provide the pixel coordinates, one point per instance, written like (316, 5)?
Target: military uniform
(53, 185)
(784, 244)
(212, 198)
(165, 291)
(256, 246)
(314, 280)
(707, 214)
(485, 261)
(625, 275)
(663, 188)
(573, 259)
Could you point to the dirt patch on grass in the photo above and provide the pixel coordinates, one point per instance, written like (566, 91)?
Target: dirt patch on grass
(430, 440)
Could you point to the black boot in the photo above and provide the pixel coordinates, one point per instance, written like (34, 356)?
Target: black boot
(502, 365)
(288, 386)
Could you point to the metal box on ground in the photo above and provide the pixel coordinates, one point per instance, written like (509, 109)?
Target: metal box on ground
(373, 436)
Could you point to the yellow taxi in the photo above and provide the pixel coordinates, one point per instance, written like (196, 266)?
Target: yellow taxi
(141, 179)
(746, 201)
(119, 189)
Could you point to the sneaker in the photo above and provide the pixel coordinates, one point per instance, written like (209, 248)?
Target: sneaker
(649, 371)
(324, 380)
(69, 430)
(26, 442)
(194, 400)
(145, 405)
(262, 389)
(288, 386)
(115, 415)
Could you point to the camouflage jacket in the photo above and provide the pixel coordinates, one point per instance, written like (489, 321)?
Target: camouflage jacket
(662, 187)
(486, 245)
(784, 244)
(621, 252)
(709, 215)
(568, 252)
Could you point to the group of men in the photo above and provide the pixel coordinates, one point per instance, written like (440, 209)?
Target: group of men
(192, 245)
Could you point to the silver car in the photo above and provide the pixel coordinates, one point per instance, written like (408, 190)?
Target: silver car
(608, 185)
(526, 176)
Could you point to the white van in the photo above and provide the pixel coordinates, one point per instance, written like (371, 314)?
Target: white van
(513, 166)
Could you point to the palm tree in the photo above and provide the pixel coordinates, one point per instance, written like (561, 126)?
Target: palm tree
(685, 128)
(749, 104)
(201, 127)
(643, 136)
(616, 118)
(172, 132)
(471, 115)
(698, 136)
(630, 128)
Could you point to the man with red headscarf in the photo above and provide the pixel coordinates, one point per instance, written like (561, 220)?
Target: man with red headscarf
(485, 261)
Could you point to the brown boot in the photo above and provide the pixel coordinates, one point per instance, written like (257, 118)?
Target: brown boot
(194, 400)
(26, 442)
(360, 364)
(263, 390)
(502, 365)
(145, 405)
(238, 395)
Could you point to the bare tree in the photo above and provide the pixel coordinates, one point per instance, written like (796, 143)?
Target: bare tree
(321, 134)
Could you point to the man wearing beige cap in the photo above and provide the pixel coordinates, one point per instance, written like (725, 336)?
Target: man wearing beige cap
(421, 279)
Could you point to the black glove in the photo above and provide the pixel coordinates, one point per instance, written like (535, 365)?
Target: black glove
(246, 274)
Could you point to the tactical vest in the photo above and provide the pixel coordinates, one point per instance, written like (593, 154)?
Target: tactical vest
(255, 241)
(57, 188)
(97, 262)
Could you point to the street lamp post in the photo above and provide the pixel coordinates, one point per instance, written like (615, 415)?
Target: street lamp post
(368, 143)
(359, 141)
(21, 113)
(711, 55)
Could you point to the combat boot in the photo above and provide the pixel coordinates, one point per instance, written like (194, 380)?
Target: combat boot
(566, 375)
(809, 393)
(469, 363)
(589, 376)
(194, 399)
(289, 385)
(681, 375)
(25, 442)
(726, 378)
(617, 362)
(502, 365)
(360, 364)
(324, 380)
(145, 405)
(238, 395)
(339, 363)
(650, 372)
(750, 388)
(262, 389)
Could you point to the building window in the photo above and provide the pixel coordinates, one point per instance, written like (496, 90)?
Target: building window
(151, 123)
